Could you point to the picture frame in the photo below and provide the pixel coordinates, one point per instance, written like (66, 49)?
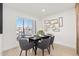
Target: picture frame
(54, 24)
(56, 28)
(54, 21)
(1, 18)
(60, 21)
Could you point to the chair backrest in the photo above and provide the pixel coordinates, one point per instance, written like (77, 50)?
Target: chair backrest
(25, 45)
(19, 37)
(45, 43)
(52, 39)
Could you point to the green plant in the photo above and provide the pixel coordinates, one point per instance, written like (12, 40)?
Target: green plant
(40, 32)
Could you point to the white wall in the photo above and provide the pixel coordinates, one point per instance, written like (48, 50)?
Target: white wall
(67, 34)
(39, 25)
(9, 26)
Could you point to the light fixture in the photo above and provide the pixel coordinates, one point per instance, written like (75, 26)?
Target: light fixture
(43, 10)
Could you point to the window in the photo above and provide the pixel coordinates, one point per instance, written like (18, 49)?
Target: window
(25, 26)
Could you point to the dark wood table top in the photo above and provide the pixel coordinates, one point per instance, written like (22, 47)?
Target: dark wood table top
(35, 38)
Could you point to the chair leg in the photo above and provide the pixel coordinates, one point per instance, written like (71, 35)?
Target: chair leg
(48, 50)
(20, 53)
(52, 46)
(43, 52)
(26, 53)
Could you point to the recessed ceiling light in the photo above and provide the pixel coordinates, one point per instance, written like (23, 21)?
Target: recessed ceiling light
(43, 10)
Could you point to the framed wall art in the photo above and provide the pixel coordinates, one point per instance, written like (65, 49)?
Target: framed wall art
(60, 21)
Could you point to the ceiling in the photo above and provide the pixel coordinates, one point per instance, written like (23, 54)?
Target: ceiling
(35, 9)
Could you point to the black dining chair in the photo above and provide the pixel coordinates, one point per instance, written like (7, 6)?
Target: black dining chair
(25, 45)
(44, 44)
(52, 41)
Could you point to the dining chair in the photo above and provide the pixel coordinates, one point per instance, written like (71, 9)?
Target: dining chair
(44, 44)
(52, 41)
(25, 45)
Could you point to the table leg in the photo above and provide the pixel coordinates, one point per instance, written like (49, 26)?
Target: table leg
(35, 48)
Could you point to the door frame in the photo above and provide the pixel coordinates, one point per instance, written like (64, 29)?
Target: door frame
(77, 21)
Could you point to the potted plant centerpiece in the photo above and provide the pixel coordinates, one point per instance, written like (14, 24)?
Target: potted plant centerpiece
(40, 33)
